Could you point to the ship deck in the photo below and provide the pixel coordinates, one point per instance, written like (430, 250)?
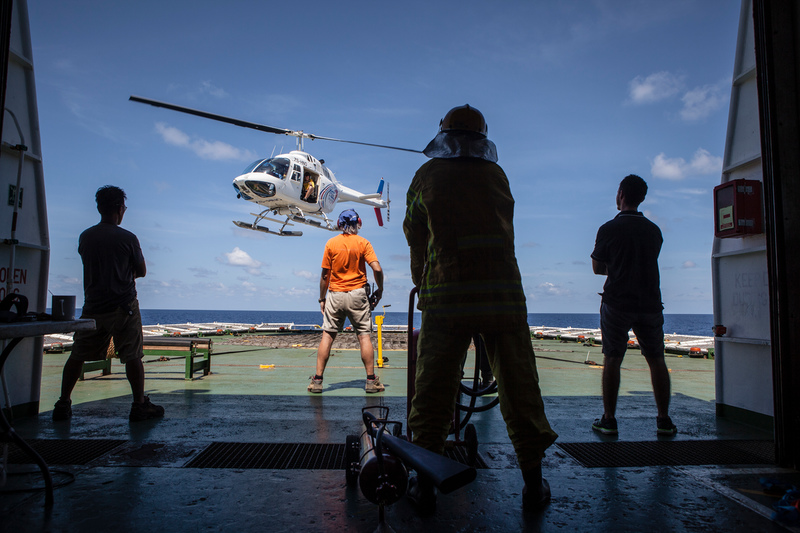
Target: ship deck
(200, 468)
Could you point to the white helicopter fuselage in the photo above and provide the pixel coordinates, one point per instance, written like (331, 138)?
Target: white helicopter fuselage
(278, 183)
(298, 185)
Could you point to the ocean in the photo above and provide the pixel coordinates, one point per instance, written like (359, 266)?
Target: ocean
(695, 324)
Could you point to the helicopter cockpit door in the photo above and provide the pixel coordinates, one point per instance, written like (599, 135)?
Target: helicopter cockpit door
(295, 181)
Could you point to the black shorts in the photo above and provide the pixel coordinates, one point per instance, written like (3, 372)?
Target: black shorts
(648, 328)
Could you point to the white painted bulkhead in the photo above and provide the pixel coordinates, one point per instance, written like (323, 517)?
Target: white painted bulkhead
(24, 248)
(743, 357)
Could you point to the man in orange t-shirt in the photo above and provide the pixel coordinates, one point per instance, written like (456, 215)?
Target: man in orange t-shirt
(343, 294)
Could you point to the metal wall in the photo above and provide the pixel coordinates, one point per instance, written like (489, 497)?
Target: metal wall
(24, 239)
(777, 44)
(756, 285)
(739, 264)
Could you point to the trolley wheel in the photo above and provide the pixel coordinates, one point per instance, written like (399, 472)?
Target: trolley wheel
(471, 442)
(352, 459)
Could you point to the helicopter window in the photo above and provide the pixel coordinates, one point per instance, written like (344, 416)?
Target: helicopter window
(277, 167)
(295, 173)
(327, 173)
(252, 166)
(265, 190)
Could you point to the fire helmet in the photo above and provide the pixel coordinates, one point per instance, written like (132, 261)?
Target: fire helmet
(464, 118)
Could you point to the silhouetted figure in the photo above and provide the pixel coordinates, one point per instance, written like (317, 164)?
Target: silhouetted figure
(463, 261)
(626, 250)
(112, 260)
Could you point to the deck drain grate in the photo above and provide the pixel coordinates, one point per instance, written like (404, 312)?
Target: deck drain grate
(283, 456)
(670, 453)
(63, 451)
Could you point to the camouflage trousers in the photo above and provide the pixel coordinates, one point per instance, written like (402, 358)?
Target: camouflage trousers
(440, 354)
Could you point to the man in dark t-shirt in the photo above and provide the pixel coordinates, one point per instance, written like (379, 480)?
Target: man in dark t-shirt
(112, 260)
(626, 251)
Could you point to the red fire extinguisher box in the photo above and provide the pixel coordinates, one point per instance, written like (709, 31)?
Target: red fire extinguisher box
(737, 208)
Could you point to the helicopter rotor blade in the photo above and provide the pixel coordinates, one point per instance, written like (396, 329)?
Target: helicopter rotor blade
(312, 137)
(254, 125)
(212, 116)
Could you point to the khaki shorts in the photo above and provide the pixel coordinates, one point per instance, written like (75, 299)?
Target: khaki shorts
(353, 305)
(124, 324)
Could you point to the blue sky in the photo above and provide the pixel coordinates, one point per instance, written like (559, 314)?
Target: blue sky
(577, 94)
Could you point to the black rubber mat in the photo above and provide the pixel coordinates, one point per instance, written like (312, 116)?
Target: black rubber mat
(285, 456)
(618, 454)
(64, 452)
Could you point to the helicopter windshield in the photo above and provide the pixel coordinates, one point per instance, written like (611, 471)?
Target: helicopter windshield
(251, 166)
(277, 167)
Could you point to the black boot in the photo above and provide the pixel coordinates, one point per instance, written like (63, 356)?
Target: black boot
(422, 494)
(536, 492)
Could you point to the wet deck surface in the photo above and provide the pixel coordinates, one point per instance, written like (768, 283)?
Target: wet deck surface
(144, 484)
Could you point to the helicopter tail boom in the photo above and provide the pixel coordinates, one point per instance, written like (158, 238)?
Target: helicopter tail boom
(346, 194)
(374, 200)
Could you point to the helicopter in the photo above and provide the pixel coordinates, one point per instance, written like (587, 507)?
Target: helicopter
(295, 185)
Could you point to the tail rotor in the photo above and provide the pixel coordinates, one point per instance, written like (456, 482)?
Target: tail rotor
(378, 213)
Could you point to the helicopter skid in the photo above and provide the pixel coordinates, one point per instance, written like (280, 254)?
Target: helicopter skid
(245, 225)
(259, 217)
(323, 224)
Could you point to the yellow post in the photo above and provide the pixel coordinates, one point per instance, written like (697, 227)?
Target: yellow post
(379, 323)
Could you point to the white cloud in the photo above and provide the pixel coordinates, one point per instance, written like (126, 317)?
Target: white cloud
(670, 169)
(295, 292)
(250, 287)
(305, 274)
(240, 258)
(705, 163)
(655, 87)
(208, 88)
(214, 150)
(698, 103)
(547, 290)
(689, 264)
(702, 101)
(677, 168)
